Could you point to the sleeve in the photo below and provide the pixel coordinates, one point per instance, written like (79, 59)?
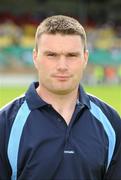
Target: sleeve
(5, 170)
(114, 170)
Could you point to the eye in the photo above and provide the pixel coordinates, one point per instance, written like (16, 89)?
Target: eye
(51, 54)
(72, 55)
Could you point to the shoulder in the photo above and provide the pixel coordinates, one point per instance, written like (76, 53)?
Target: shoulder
(7, 117)
(105, 110)
(9, 111)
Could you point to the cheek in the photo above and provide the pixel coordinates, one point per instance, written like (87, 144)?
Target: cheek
(78, 70)
(44, 69)
(78, 67)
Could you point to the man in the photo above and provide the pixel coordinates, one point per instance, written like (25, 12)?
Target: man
(56, 130)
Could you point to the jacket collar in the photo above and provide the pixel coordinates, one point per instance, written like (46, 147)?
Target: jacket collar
(34, 101)
(83, 98)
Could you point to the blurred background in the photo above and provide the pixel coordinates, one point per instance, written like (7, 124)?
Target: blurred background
(102, 22)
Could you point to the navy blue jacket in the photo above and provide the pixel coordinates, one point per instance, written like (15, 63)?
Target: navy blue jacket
(37, 144)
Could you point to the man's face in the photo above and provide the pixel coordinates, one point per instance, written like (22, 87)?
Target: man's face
(60, 61)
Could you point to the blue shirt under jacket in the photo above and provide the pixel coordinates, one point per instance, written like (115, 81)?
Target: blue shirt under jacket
(37, 144)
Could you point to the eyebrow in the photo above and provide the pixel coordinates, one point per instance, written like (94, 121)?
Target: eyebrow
(73, 54)
(66, 53)
(50, 52)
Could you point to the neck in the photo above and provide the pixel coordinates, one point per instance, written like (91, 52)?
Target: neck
(63, 104)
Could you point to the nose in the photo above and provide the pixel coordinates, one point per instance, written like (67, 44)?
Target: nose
(62, 64)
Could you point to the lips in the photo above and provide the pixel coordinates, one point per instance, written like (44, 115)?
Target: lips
(61, 77)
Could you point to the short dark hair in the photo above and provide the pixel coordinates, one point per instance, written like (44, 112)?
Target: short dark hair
(63, 25)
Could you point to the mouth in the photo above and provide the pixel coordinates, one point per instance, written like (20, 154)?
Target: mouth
(61, 77)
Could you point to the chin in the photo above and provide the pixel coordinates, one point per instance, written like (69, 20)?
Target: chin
(62, 91)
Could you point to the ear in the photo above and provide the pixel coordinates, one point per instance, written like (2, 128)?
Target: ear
(35, 59)
(86, 55)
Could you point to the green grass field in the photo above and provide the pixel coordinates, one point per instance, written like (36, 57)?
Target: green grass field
(109, 94)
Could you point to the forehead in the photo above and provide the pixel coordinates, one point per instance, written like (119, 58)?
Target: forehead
(59, 41)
